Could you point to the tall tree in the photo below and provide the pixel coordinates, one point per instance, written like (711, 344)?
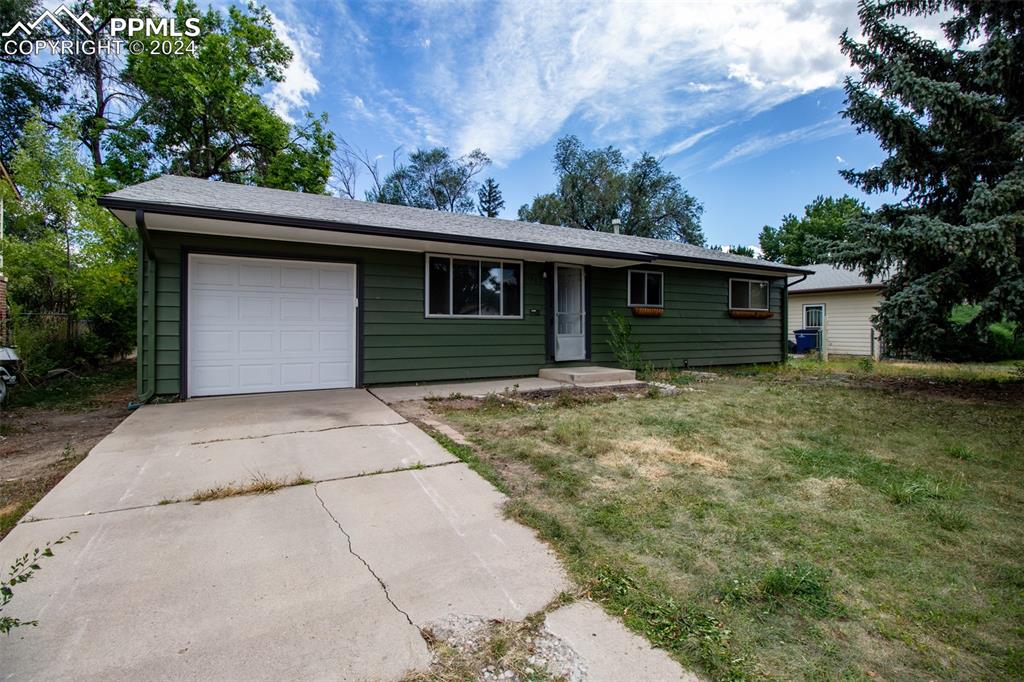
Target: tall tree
(204, 116)
(434, 179)
(103, 101)
(950, 116)
(489, 199)
(596, 186)
(63, 252)
(804, 240)
(27, 85)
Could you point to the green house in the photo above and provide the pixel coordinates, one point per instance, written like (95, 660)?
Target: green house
(248, 290)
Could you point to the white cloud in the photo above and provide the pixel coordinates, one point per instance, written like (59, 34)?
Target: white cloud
(840, 159)
(687, 142)
(617, 66)
(760, 144)
(290, 97)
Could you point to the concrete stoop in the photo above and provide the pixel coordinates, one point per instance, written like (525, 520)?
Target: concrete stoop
(588, 376)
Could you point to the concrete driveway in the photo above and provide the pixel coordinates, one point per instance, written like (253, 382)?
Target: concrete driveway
(326, 580)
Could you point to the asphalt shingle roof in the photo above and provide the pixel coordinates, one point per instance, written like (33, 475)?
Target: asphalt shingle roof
(188, 196)
(830, 277)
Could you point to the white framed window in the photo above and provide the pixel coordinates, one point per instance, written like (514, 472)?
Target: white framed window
(646, 288)
(457, 286)
(814, 315)
(748, 294)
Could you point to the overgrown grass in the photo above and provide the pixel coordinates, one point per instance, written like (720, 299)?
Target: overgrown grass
(784, 529)
(79, 392)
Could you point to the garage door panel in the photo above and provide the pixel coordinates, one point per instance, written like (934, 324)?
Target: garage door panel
(259, 325)
(256, 309)
(213, 341)
(210, 379)
(217, 274)
(214, 307)
(297, 374)
(250, 275)
(336, 310)
(299, 341)
(337, 280)
(334, 372)
(295, 309)
(258, 376)
(297, 278)
(256, 341)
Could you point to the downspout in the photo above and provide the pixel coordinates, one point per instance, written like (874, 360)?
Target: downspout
(146, 367)
(785, 316)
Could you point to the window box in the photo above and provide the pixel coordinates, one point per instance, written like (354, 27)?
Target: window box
(751, 314)
(647, 311)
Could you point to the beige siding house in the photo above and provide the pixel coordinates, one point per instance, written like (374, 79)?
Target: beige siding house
(841, 302)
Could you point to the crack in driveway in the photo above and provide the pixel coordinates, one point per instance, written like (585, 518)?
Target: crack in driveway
(292, 433)
(352, 551)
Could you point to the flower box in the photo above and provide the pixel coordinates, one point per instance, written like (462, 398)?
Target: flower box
(751, 314)
(647, 311)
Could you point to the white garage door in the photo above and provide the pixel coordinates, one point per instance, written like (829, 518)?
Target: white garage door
(257, 325)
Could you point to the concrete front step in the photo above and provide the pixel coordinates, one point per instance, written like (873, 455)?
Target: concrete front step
(582, 376)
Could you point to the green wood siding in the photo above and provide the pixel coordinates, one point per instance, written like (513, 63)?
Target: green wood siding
(401, 345)
(695, 328)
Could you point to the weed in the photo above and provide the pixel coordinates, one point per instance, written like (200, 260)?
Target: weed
(866, 365)
(948, 518)
(258, 484)
(962, 452)
(620, 338)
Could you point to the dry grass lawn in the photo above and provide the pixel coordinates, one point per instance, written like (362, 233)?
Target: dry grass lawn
(787, 524)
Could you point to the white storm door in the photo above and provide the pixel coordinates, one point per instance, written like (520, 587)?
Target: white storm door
(570, 314)
(257, 325)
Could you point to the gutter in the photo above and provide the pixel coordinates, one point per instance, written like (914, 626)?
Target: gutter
(146, 291)
(785, 316)
(114, 203)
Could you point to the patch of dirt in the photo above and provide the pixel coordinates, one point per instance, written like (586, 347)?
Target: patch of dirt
(818, 489)
(37, 439)
(1011, 392)
(650, 454)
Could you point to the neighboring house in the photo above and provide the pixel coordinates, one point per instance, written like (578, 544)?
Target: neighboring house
(841, 301)
(249, 290)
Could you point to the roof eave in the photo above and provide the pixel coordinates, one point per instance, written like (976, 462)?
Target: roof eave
(832, 290)
(117, 203)
(781, 271)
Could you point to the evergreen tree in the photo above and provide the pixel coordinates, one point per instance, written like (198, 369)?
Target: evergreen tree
(489, 200)
(950, 117)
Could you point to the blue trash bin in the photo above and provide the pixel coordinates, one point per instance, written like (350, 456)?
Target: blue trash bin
(806, 340)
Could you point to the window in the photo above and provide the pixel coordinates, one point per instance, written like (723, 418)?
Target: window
(646, 288)
(467, 287)
(814, 316)
(748, 294)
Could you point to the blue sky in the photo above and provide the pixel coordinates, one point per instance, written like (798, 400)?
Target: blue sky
(740, 99)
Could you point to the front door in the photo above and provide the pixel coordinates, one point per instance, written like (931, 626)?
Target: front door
(570, 314)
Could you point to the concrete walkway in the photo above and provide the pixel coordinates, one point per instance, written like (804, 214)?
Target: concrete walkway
(333, 579)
